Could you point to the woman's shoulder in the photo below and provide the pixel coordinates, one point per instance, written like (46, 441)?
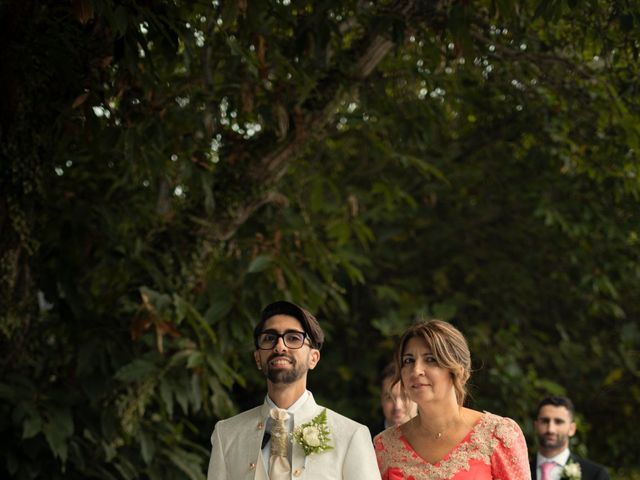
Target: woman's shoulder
(388, 447)
(388, 435)
(472, 417)
(504, 429)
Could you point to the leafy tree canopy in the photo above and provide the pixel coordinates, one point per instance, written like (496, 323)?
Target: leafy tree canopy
(168, 168)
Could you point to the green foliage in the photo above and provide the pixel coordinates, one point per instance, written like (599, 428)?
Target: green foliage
(169, 168)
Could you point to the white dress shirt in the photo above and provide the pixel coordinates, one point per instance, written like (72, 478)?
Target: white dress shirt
(560, 460)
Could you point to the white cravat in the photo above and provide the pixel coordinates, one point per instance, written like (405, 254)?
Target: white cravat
(266, 450)
(279, 466)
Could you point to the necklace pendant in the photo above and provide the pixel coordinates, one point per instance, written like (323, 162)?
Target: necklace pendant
(438, 435)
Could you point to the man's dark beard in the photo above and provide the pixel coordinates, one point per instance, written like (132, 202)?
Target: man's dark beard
(283, 376)
(561, 440)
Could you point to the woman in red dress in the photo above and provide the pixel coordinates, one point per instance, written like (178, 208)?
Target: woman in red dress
(446, 440)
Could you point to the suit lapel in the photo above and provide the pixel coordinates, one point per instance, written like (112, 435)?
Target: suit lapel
(252, 454)
(305, 414)
(261, 472)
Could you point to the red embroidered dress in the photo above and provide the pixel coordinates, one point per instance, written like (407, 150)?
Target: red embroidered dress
(495, 448)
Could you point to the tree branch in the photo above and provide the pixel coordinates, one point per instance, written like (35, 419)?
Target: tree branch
(272, 167)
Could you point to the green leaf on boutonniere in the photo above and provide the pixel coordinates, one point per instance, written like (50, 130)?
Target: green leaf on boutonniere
(313, 436)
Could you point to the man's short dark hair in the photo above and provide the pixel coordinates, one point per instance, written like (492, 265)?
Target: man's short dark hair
(309, 323)
(557, 401)
(388, 373)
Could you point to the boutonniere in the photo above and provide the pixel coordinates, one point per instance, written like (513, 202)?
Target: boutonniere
(313, 436)
(571, 471)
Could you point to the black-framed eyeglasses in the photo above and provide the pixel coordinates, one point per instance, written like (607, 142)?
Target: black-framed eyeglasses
(269, 339)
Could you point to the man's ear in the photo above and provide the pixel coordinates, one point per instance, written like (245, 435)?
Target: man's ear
(314, 358)
(256, 357)
(572, 429)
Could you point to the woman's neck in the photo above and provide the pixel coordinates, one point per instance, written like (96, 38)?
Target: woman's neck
(436, 420)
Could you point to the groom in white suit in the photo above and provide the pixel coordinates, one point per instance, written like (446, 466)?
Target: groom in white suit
(288, 340)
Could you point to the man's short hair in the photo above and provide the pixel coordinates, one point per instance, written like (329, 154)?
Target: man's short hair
(309, 323)
(388, 373)
(557, 401)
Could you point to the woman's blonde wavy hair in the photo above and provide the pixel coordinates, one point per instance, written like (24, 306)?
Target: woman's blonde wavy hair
(449, 347)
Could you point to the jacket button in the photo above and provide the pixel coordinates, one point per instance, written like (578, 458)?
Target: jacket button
(297, 472)
(260, 426)
(252, 466)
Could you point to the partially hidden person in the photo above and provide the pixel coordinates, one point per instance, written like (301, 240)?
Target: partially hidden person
(396, 407)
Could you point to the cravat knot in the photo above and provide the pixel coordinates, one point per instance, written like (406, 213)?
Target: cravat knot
(545, 469)
(279, 433)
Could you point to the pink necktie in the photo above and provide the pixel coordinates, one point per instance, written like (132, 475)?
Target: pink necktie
(546, 468)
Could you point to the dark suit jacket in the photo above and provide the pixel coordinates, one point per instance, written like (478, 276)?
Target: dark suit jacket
(590, 470)
(379, 428)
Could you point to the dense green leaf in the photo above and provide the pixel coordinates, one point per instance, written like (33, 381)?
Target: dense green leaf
(139, 369)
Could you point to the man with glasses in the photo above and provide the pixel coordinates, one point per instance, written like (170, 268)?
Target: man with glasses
(290, 435)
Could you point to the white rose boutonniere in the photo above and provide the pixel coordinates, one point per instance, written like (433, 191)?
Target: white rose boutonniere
(571, 471)
(313, 436)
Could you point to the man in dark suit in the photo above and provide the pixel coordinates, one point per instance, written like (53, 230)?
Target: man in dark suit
(554, 426)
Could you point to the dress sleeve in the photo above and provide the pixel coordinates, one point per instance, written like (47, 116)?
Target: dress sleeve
(510, 459)
(378, 446)
(384, 464)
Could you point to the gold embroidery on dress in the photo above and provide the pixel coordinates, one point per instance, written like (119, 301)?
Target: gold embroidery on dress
(485, 437)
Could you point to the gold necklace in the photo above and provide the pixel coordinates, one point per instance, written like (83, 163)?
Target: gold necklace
(438, 435)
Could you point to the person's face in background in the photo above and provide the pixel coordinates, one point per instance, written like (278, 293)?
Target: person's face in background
(554, 427)
(396, 410)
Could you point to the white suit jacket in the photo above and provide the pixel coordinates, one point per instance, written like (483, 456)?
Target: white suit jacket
(236, 448)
